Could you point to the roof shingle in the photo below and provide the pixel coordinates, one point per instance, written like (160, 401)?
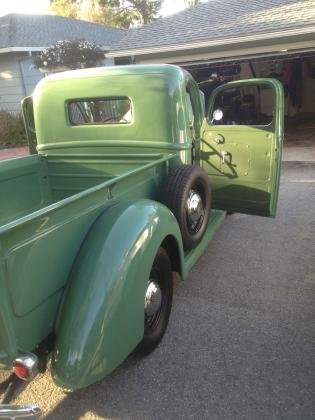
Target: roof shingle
(18, 30)
(219, 19)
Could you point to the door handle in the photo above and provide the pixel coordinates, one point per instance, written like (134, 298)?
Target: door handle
(224, 155)
(218, 140)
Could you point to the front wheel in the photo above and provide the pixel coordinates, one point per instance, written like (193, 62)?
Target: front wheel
(157, 302)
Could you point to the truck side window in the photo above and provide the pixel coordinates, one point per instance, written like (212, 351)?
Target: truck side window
(100, 111)
(246, 105)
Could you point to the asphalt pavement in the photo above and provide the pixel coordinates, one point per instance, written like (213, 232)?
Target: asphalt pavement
(241, 338)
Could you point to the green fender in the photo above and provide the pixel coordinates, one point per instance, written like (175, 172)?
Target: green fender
(102, 319)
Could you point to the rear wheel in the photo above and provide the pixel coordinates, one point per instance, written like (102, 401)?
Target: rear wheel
(157, 302)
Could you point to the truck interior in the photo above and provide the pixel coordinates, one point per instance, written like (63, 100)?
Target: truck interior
(250, 105)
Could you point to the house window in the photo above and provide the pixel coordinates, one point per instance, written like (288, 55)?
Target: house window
(100, 111)
(123, 61)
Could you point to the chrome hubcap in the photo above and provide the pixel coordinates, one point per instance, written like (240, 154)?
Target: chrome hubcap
(194, 209)
(152, 299)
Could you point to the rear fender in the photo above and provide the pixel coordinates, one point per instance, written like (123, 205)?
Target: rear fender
(102, 319)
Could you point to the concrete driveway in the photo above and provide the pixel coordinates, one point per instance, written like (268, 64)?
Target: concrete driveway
(241, 339)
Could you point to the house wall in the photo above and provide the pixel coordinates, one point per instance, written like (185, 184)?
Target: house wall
(17, 79)
(11, 89)
(31, 76)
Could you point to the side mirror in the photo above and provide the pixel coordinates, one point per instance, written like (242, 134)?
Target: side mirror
(217, 115)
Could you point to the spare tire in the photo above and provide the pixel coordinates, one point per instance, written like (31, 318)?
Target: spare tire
(187, 194)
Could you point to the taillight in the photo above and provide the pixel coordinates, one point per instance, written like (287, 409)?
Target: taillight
(26, 367)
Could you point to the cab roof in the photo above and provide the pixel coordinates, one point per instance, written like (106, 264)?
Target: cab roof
(168, 70)
(157, 94)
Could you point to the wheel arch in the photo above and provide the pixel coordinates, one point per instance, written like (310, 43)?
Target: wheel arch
(101, 320)
(171, 246)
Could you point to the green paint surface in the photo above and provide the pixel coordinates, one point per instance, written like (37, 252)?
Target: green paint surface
(81, 221)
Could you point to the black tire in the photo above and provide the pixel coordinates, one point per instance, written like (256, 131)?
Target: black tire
(155, 325)
(179, 187)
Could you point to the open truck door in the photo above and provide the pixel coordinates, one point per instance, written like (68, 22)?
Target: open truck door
(241, 145)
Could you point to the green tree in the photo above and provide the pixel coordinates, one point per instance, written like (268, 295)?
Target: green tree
(142, 11)
(93, 11)
(146, 10)
(192, 3)
(67, 8)
(119, 13)
(72, 55)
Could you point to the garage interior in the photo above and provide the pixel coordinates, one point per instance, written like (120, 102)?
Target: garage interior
(295, 71)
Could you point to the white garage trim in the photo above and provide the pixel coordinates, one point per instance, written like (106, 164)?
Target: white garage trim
(212, 43)
(232, 54)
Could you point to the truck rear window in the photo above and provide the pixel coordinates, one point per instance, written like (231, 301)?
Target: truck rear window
(100, 111)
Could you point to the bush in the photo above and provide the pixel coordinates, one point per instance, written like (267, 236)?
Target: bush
(66, 54)
(12, 132)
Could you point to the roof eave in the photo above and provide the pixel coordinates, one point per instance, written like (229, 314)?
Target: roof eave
(211, 43)
(21, 49)
(36, 49)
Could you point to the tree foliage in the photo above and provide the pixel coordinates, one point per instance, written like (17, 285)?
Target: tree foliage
(67, 8)
(69, 55)
(192, 3)
(119, 13)
(146, 10)
(107, 14)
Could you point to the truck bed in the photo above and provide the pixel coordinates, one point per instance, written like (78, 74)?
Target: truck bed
(31, 183)
(50, 204)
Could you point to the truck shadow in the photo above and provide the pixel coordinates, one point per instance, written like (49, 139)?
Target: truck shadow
(135, 390)
(106, 398)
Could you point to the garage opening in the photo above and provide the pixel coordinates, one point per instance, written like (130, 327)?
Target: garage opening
(297, 74)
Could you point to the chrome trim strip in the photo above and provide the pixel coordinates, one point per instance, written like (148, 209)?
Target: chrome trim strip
(16, 411)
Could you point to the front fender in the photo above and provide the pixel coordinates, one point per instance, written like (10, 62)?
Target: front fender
(102, 319)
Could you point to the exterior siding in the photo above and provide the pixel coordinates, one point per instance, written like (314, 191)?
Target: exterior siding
(31, 75)
(11, 89)
(17, 80)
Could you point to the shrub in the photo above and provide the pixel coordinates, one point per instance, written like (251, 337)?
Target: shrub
(69, 55)
(12, 130)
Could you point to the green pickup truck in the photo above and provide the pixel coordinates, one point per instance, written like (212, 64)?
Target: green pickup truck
(131, 179)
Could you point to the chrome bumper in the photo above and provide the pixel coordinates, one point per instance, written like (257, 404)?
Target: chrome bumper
(8, 411)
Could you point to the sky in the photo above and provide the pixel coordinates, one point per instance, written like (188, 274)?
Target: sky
(40, 6)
